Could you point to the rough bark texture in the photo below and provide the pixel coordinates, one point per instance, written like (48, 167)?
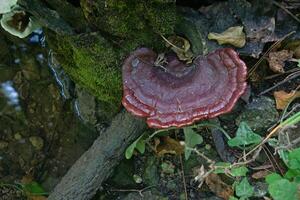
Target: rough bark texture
(86, 176)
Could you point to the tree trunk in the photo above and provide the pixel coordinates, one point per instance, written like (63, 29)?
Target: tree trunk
(87, 174)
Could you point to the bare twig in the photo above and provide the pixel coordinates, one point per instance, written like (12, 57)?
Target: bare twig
(264, 140)
(287, 72)
(183, 177)
(171, 44)
(288, 78)
(267, 52)
(289, 146)
(272, 159)
(287, 11)
(132, 190)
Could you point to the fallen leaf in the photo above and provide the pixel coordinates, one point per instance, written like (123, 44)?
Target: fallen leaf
(233, 35)
(297, 52)
(260, 174)
(168, 145)
(217, 186)
(276, 60)
(181, 47)
(283, 98)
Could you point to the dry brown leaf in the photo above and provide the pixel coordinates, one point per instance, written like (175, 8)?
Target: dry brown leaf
(276, 60)
(168, 145)
(260, 174)
(217, 186)
(283, 98)
(233, 35)
(27, 179)
(297, 52)
(181, 47)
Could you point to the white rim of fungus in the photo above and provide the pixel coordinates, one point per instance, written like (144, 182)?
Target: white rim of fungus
(32, 25)
(6, 5)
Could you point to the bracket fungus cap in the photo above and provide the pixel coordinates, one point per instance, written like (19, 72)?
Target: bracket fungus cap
(178, 95)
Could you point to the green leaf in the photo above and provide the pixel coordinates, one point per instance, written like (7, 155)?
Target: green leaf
(244, 136)
(283, 189)
(239, 171)
(292, 174)
(191, 140)
(294, 159)
(141, 146)
(33, 188)
(135, 145)
(233, 198)
(244, 189)
(271, 178)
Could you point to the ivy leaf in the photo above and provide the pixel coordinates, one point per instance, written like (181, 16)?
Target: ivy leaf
(283, 189)
(239, 171)
(244, 189)
(292, 174)
(191, 140)
(271, 178)
(244, 136)
(294, 159)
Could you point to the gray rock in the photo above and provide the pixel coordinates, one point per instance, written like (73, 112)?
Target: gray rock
(85, 106)
(260, 114)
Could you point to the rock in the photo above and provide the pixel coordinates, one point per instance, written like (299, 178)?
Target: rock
(260, 114)
(85, 106)
(37, 142)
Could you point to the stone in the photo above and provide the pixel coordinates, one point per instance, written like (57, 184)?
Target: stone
(260, 114)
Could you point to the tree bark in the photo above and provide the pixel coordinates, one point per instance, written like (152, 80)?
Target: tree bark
(85, 177)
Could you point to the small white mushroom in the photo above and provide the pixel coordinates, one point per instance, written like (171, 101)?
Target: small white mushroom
(18, 23)
(6, 5)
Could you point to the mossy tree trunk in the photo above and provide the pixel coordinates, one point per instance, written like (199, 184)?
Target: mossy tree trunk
(86, 176)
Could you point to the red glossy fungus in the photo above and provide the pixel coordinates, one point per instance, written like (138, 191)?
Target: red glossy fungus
(177, 94)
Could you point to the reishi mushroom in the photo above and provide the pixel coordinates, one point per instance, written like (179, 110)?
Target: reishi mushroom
(177, 94)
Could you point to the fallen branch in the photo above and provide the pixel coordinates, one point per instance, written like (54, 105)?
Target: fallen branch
(85, 177)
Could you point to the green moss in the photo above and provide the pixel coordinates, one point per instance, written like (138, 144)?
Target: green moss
(93, 63)
(94, 60)
(127, 18)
